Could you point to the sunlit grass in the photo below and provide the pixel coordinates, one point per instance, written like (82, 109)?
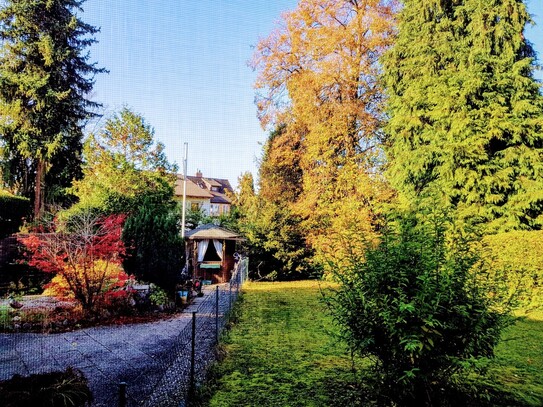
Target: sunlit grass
(518, 365)
(281, 351)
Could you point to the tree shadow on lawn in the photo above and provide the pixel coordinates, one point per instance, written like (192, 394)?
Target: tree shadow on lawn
(367, 390)
(513, 378)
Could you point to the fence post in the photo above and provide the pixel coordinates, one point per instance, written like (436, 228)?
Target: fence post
(230, 296)
(122, 394)
(217, 314)
(192, 356)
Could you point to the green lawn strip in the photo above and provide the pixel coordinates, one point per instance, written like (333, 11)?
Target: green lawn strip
(279, 351)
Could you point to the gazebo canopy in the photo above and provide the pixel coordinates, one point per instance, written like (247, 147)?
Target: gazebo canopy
(211, 232)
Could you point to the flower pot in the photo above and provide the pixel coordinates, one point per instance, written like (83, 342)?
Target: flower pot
(183, 295)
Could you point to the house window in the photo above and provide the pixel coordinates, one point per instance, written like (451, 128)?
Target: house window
(214, 209)
(195, 206)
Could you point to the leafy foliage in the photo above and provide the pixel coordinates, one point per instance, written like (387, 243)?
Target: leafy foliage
(318, 75)
(125, 171)
(46, 78)
(123, 163)
(465, 119)
(515, 257)
(274, 240)
(419, 309)
(154, 245)
(85, 255)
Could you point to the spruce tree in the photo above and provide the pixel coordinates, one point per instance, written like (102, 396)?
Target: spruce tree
(45, 78)
(465, 112)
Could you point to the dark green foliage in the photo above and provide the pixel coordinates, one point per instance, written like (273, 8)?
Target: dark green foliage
(274, 239)
(419, 310)
(12, 211)
(154, 246)
(267, 218)
(465, 113)
(197, 217)
(45, 80)
(277, 247)
(125, 171)
(57, 389)
(516, 258)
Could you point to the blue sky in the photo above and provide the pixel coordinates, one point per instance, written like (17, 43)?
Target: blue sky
(182, 64)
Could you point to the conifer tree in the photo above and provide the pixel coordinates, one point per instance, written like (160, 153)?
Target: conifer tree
(465, 113)
(44, 86)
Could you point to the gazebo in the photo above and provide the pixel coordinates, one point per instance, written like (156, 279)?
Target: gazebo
(210, 252)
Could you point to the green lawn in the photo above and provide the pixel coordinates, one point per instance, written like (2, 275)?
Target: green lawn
(519, 360)
(279, 352)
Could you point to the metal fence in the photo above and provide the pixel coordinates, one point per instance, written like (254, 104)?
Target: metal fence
(152, 364)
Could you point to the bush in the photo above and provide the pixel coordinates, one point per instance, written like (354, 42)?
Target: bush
(154, 246)
(518, 256)
(158, 297)
(85, 259)
(419, 310)
(12, 211)
(57, 389)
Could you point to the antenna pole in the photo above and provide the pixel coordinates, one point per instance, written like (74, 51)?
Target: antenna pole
(184, 209)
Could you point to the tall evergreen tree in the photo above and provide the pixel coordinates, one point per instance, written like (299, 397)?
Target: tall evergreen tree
(465, 113)
(45, 78)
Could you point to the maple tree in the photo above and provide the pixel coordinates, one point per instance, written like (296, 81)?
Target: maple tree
(318, 79)
(85, 255)
(126, 171)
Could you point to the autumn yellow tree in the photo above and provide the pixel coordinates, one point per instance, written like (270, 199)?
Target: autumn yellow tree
(318, 76)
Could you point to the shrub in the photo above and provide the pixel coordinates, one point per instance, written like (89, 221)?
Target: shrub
(158, 297)
(57, 389)
(85, 257)
(518, 257)
(154, 246)
(12, 211)
(419, 310)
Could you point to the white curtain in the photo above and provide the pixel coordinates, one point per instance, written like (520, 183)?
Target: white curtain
(218, 247)
(202, 247)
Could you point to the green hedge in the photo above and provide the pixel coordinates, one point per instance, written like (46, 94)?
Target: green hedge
(12, 211)
(518, 257)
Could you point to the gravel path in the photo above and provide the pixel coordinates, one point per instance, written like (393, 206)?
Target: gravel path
(152, 358)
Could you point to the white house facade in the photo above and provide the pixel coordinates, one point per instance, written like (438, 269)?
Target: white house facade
(209, 195)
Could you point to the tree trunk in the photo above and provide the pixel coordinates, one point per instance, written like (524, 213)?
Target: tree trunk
(38, 194)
